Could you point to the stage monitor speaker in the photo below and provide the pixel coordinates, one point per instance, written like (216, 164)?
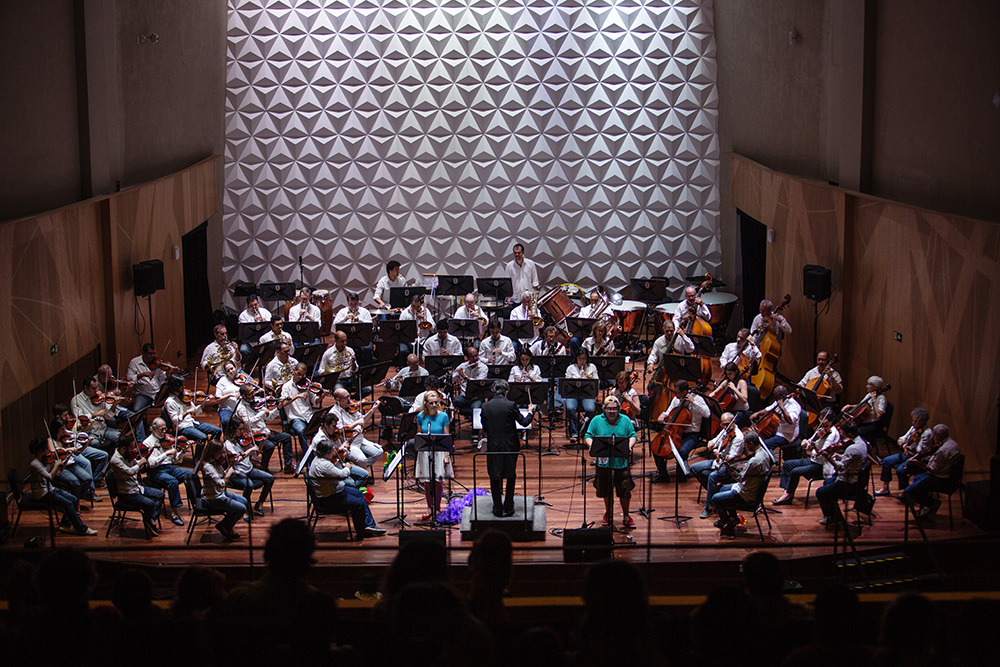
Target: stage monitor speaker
(147, 277)
(587, 545)
(816, 282)
(406, 536)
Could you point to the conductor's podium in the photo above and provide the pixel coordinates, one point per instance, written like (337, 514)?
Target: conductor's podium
(527, 524)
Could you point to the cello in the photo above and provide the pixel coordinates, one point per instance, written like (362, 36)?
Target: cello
(672, 432)
(770, 350)
(821, 387)
(766, 424)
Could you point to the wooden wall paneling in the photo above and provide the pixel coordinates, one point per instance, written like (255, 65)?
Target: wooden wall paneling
(51, 293)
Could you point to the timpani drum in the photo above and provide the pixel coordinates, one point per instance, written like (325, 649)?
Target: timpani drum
(557, 305)
(721, 305)
(664, 312)
(629, 314)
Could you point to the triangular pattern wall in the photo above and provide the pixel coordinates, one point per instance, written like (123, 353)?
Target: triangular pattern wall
(437, 132)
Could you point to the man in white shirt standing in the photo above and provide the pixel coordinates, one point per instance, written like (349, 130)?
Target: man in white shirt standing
(522, 272)
(385, 283)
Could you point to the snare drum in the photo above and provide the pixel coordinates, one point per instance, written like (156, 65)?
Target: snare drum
(664, 312)
(721, 305)
(629, 315)
(557, 305)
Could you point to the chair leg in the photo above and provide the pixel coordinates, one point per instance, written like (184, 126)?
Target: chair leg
(190, 531)
(759, 531)
(17, 521)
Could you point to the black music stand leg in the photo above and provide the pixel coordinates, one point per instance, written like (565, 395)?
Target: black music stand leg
(642, 494)
(676, 517)
(540, 499)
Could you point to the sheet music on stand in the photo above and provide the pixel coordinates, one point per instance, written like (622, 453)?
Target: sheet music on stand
(438, 364)
(477, 420)
(681, 463)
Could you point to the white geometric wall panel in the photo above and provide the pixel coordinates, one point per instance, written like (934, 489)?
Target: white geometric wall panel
(437, 132)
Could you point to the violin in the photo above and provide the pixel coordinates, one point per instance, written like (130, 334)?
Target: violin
(270, 402)
(59, 453)
(196, 397)
(77, 439)
(158, 363)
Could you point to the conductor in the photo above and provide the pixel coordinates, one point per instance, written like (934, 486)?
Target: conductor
(499, 418)
(613, 472)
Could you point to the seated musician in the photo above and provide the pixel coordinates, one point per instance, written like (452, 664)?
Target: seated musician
(147, 380)
(411, 369)
(299, 402)
(937, 469)
(869, 410)
(87, 404)
(525, 370)
(915, 442)
(593, 307)
(254, 312)
(692, 304)
(215, 475)
(385, 283)
(682, 345)
(327, 475)
(432, 383)
(696, 405)
(419, 313)
(443, 342)
(353, 311)
(240, 447)
(330, 432)
(597, 343)
(549, 346)
(733, 391)
(219, 352)
(846, 466)
(613, 472)
(256, 419)
(779, 325)
(711, 472)
(354, 420)
(471, 369)
(95, 461)
(823, 370)
(278, 333)
(496, 348)
(118, 416)
(525, 311)
(182, 413)
(42, 490)
(743, 347)
(582, 369)
(76, 472)
(126, 463)
(163, 454)
(745, 489)
(788, 411)
(227, 392)
(303, 310)
(279, 370)
(340, 358)
(627, 395)
(819, 448)
(470, 310)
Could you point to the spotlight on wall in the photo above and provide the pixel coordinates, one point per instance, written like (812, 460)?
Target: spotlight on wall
(794, 37)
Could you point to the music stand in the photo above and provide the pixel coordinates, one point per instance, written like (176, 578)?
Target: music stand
(303, 332)
(369, 376)
(387, 472)
(809, 400)
(682, 367)
(478, 390)
(682, 466)
(579, 389)
(314, 421)
(523, 393)
(498, 371)
(519, 329)
(242, 288)
(412, 385)
(609, 447)
(651, 291)
(464, 329)
(436, 364)
(454, 285)
(260, 355)
(553, 365)
(433, 443)
(579, 327)
(400, 297)
(359, 334)
(704, 346)
(397, 332)
(609, 367)
(310, 354)
(499, 289)
(277, 291)
(327, 380)
(252, 331)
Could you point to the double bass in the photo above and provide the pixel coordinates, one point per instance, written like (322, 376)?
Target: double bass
(770, 350)
(693, 324)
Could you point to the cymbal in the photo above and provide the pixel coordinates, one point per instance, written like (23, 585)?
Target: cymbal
(697, 280)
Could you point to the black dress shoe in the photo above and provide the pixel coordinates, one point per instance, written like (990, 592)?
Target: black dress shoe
(660, 479)
(509, 512)
(497, 511)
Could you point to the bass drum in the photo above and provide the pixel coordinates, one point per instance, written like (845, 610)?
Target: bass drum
(721, 305)
(557, 305)
(629, 314)
(665, 312)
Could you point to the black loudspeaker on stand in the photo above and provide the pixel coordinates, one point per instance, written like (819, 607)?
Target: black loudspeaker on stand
(816, 282)
(147, 277)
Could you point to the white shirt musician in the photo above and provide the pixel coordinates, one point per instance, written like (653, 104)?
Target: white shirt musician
(471, 369)
(470, 310)
(598, 343)
(298, 401)
(525, 371)
(353, 312)
(280, 369)
(548, 345)
(277, 332)
(412, 369)
(692, 303)
(731, 353)
(593, 308)
(421, 315)
(218, 352)
(779, 325)
(303, 311)
(339, 357)
(254, 312)
(522, 272)
(682, 345)
(386, 282)
(496, 348)
(524, 312)
(442, 342)
(832, 376)
(351, 418)
(147, 381)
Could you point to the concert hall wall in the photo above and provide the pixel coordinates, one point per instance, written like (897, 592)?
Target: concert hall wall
(934, 278)
(439, 134)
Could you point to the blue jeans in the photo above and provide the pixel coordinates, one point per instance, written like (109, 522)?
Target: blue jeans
(123, 418)
(282, 441)
(149, 502)
(573, 416)
(832, 491)
(98, 460)
(298, 428)
(725, 502)
(712, 480)
(778, 442)
(354, 502)
(895, 462)
(923, 486)
(65, 503)
(224, 417)
(255, 479)
(141, 401)
(233, 505)
(78, 478)
(169, 478)
(792, 470)
(201, 431)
